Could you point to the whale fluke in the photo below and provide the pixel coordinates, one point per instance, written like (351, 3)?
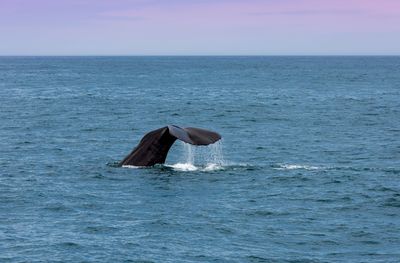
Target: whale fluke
(154, 146)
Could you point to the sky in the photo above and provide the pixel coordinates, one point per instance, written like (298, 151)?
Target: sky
(199, 27)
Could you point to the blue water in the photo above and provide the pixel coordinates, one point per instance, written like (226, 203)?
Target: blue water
(309, 170)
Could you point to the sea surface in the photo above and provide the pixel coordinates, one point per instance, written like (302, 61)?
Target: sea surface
(308, 169)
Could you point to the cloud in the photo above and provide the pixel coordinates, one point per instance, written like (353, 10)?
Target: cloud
(309, 12)
(123, 15)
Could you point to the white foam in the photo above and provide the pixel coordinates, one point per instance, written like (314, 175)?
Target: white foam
(213, 167)
(296, 166)
(131, 166)
(183, 167)
(188, 167)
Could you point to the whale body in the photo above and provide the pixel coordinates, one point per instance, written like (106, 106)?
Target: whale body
(154, 146)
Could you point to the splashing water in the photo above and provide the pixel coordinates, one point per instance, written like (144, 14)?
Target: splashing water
(216, 157)
(189, 151)
(203, 158)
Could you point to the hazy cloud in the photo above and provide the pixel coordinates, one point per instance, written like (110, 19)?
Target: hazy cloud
(308, 12)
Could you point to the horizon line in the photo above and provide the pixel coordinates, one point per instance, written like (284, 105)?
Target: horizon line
(201, 55)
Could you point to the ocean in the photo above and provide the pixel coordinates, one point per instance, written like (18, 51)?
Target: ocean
(308, 168)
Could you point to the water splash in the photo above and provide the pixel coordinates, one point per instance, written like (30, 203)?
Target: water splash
(216, 156)
(189, 151)
(202, 158)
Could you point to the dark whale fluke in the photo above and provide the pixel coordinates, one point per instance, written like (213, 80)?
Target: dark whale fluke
(154, 146)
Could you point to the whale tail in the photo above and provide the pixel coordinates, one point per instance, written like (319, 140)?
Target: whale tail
(154, 146)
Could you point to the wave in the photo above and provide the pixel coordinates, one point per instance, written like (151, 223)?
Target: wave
(295, 167)
(183, 167)
(281, 166)
(189, 166)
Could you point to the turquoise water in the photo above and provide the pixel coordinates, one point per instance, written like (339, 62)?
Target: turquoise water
(308, 169)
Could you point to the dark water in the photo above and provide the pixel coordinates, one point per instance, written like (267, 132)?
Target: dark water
(311, 169)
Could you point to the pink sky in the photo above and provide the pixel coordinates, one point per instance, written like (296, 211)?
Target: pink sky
(199, 27)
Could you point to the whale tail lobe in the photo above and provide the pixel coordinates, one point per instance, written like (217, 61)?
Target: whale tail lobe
(154, 146)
